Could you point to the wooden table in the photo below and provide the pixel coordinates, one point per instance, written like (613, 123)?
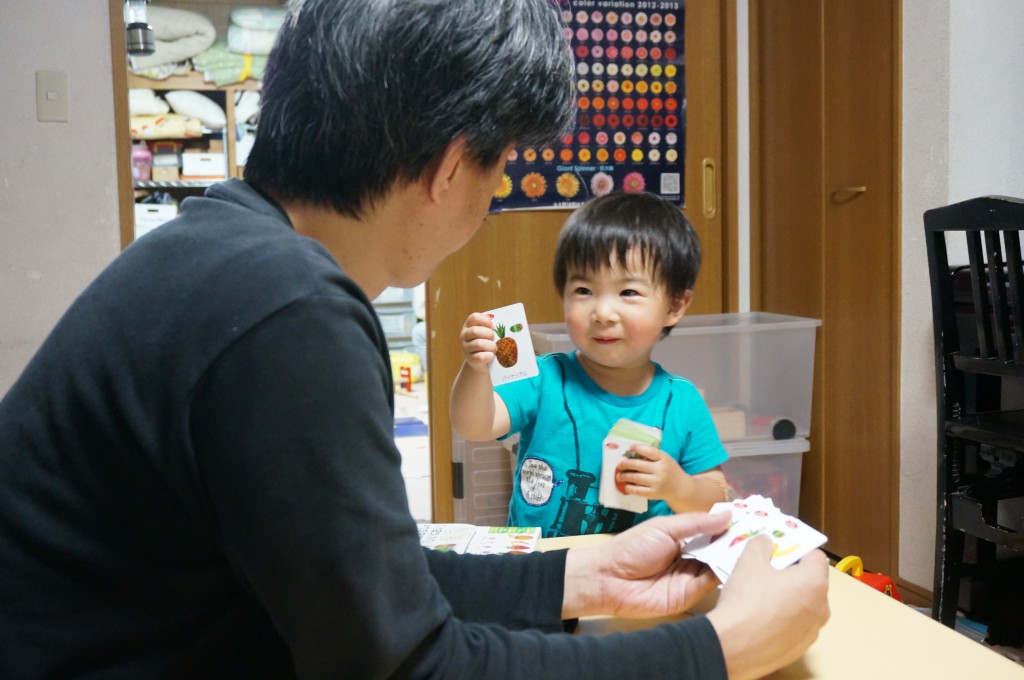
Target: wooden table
(868, 637)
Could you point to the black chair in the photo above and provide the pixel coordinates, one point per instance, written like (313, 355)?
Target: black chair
(978, 314)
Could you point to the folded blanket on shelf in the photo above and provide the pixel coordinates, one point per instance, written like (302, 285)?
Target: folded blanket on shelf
(164, 71)
(179, 35)
(250, 40)
(266, 18)
(167, 126)
(253, 29)
(223, 67)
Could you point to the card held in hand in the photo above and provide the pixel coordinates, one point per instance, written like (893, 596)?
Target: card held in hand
(514, 358)
(614, 449)
(751, 516)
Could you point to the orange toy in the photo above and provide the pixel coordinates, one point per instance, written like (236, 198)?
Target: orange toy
(853, 566)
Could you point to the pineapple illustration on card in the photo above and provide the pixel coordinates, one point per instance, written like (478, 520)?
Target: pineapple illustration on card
(514, 358)
(508, 348)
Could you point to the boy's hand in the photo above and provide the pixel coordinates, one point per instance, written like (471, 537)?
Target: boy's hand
(477, 340)
(654, 474)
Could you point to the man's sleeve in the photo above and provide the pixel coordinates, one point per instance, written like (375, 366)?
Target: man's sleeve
(528, 594)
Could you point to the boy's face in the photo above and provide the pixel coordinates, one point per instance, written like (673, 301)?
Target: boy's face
(615, 315)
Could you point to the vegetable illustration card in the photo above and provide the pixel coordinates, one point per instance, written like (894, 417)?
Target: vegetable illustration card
(614, 449)
(514, 358)
(791, 538)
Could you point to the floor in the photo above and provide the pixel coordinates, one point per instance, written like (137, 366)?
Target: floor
(411, 436)
(976, 632)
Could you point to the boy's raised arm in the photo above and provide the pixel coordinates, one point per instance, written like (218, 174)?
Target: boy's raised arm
(477, 412)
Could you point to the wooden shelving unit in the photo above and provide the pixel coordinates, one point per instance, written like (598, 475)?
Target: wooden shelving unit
(194, 81)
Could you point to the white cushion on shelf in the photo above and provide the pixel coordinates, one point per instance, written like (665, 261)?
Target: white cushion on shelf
(143, 101)
(199, 106)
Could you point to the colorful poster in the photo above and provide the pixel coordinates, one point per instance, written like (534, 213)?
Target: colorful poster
(631, 119)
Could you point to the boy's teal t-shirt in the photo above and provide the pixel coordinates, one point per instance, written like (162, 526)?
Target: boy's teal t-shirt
(562, 417)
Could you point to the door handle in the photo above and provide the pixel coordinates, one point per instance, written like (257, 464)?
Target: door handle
(710, 187)
(843, 194)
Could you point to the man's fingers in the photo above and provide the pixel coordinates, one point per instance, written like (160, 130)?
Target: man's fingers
(814, 562)
(759, 548)
(689, 524)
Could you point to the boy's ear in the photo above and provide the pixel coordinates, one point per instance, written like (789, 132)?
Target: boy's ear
(680, 304)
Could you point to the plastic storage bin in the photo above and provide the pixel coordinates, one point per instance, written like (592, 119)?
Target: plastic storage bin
(481, 481)
(755, 370)
(483, 474)
(769, 468)
(397, 323)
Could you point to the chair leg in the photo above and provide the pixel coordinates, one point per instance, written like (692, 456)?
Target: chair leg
(949, 559)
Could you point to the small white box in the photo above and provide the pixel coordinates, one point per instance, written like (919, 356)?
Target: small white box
(769, 468)
(149, 216)
(199, 166)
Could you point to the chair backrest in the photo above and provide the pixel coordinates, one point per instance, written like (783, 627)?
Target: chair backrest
(991, 229)
(978, 305)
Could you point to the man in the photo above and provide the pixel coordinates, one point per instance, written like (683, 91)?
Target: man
(198, 476)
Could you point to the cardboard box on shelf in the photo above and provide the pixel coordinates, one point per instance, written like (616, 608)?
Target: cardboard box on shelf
(168, 173)
(149, 216)
(203, 166)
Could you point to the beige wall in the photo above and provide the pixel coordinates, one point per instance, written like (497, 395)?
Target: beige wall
(925, 185)
(58, 204)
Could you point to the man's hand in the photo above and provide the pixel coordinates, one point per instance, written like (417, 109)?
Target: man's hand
(639, 573)
(766, 618)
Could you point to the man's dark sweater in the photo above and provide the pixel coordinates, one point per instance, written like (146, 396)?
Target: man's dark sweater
(198, 478)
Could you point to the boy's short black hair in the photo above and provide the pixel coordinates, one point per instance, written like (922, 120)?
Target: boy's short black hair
(604, 229)
(360, 96)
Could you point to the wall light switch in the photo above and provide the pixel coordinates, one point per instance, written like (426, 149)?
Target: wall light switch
(52, 96)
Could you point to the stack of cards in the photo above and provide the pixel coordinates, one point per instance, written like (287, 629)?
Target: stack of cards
(752, 516)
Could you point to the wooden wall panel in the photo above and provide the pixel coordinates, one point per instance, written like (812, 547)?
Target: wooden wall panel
(826, 221)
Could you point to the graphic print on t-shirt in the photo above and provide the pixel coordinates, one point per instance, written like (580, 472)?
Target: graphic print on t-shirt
(536, 481)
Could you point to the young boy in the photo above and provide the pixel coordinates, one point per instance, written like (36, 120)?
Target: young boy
(625, 266)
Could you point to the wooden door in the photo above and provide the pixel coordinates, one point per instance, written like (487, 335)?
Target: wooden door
(825, 240)
(510, 259)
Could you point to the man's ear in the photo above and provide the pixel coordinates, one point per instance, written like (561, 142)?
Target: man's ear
(442, 173)
(680, 304)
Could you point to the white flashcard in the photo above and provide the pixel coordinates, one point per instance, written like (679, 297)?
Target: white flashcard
(515, 358)
(791, 538)
(614, 449)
